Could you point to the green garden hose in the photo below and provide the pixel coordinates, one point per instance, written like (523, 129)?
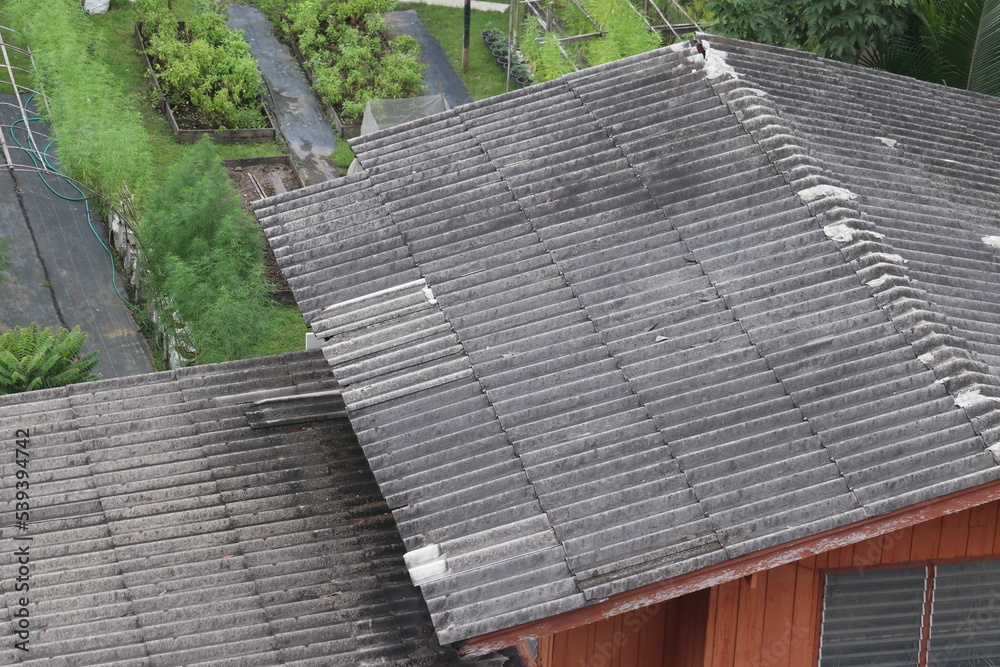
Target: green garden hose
(83, 197)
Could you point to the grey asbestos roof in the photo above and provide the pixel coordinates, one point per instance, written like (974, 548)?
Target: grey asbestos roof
(216, 515)
(655, 315)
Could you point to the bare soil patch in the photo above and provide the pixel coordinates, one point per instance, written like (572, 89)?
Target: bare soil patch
(265, 176)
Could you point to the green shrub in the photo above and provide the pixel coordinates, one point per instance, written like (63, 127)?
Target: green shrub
(206, 66)
(341, 42)
(31, 359)
(202, 258)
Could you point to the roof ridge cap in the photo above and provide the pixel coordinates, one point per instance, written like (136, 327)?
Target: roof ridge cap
(875, 261)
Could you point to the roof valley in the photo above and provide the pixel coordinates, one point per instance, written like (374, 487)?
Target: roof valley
(878, 266)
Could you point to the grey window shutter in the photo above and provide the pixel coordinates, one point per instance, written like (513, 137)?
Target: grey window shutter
(873, 618)
(965, 618)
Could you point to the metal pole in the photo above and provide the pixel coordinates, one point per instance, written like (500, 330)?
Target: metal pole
(24, 112)
(465, 39)
(549, 16)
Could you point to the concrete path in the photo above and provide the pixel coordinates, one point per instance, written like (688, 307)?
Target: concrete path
(439, 76)
(62, 275)
(309, 136)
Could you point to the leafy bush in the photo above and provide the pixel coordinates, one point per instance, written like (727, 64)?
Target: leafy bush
(206, 66)
(31, 359)
(841, 29)
(202, 258)
(340, 40)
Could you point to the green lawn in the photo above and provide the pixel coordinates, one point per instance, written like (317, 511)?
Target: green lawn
(485, 77)
(286, 332)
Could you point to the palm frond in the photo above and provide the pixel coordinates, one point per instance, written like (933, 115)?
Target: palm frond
(952, 42)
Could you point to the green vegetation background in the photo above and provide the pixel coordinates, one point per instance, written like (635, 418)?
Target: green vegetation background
(110, 135)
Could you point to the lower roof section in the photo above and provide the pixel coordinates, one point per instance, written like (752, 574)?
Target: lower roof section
(218, 515)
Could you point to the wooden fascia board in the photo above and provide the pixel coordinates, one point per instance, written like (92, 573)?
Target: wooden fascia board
(735, 568)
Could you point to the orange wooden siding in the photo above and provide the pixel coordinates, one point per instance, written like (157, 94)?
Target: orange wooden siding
(771, 619)
(671, 634)
(776, 623)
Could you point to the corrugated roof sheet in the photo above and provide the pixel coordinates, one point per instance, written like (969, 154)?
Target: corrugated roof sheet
(655, 315)
(216, 515)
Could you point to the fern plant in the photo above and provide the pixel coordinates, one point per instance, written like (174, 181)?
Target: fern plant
(31, 359)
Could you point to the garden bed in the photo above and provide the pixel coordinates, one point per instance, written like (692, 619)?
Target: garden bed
(192, 134)
(343, 131)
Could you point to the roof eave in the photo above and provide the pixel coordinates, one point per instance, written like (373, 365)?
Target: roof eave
(735, 568)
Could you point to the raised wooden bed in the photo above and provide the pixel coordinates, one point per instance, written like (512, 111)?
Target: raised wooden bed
(185, 136)
(283, 160)
(343, 131)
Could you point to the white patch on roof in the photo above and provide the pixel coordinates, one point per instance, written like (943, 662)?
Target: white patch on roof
(891, 143)
(374, 295)
(969, 397)
(715, 65)
(747, 91)
(824, 192)
(425, 564)
(753, 110)
(877, 282)
(839, 233)
(888, 257)
(429, 295)
(993, 241)
(926, 359)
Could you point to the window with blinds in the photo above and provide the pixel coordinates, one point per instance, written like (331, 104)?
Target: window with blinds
(873, 617)
(886, 617)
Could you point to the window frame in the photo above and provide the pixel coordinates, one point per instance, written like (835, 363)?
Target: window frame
(928, 604)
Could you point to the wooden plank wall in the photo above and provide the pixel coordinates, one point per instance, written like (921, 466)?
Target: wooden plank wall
(669, 634)
(771, 619)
